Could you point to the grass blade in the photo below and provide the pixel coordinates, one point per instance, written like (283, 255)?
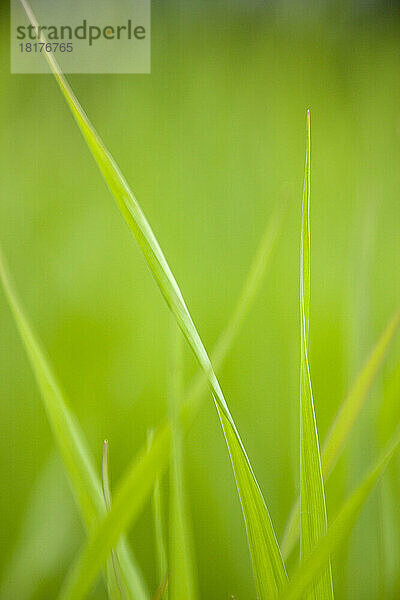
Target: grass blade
(129, 498)
(313, 519)
(350, 409)
(27, 566)
(76, 455)
(182, 577)
(318, 560)
(194, 395)
(267, 562)
(268, 567)
(344, 422)
(74, 450)
(158, 519)
(115, 585)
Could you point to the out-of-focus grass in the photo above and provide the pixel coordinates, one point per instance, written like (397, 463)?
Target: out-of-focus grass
(216, 128)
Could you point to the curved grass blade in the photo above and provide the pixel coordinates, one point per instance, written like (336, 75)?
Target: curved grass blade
(268, 567)
(74, 450)
(310, 570)
(313, 519)
(194, 395)
(344, 422)
(182, 577)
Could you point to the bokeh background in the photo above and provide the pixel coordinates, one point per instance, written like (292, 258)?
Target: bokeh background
(211, 142)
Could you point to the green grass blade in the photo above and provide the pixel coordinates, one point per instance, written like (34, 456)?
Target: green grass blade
(264, 549)
(74, 450)
(26, 565)
(350, 409)
(310, 570)
(313, 521)
(268, 567)
(76, 455)
(128, 500)
(182, 575)
(115, 586)
(159, 530)
(344, 422)
(161, 547)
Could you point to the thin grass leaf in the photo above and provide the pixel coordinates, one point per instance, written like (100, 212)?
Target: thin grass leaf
(182, 576)
(310, 569)
(128, 499)
(115, 585)
(344, 422)
(268, 567)
(73, 447)
(313, 520)
(159, 530)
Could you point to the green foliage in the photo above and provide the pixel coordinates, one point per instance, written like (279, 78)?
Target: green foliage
(74, 450)
(311, 568)
(268, 567)
(344, 422)
(262, 374)
(159, 528)
(182, 574)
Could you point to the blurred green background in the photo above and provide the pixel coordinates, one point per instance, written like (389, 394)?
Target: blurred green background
(211, 143)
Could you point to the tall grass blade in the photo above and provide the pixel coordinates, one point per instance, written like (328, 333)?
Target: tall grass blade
(159, 529)
(182, 576)
(194, 395)
(313, 520)
(268, 567)
(74, 450)
(344, 422)
(310, 569)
